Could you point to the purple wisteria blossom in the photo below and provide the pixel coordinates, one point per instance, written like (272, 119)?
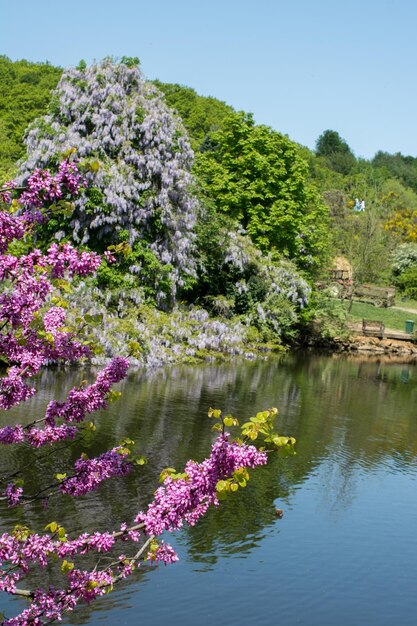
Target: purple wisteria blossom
(142, 162)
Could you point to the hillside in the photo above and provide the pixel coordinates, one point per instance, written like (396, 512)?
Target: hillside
(242, 229)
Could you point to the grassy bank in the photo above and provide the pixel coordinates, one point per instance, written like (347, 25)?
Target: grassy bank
(392, 318)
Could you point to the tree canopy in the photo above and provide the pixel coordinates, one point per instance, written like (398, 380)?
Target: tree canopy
(336, 152)
(24, 95)
(139, 163)
(258, 177)
(200, 115)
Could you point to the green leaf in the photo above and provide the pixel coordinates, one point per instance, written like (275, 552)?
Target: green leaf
(221, 486)
(154, 545)
(62, 284)
(62, 533)
(60, 477)
(93, 166)
(53, 527)
(21, 532)
(123, 451)
(66, 566)
(127, 442)
(114, 395)
(93, 320)
(168, 471)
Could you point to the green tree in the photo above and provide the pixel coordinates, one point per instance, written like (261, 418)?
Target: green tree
(336, 152)
(404, 168)
(24, 95)
(200, 115)
(258, 177)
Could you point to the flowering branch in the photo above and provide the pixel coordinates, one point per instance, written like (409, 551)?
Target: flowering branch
(33, 333)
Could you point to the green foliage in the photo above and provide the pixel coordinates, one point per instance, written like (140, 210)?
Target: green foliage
(398, 166)
(404, 257)
(130, 61)
(335, 151)
(237, 279)
(257, 177)
(200, 115)
(136, 267)
(362, 239)
(397, 197)
(260, 428)
(256, 185)
(24, 95)
(404, 269)
(327, 317)
(407, 282)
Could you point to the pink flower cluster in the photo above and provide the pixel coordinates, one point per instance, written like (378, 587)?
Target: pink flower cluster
(11, 227)
(83, 400)
(6, 191)
(69, 177)
(187, 499)
(38, 437)
(91, 472)
(12, 434)
(163, 554)
(79, 403)
(48, 606)
(41, 549)
(66, 259)
(13, 494)
(44, 187)
(176, 501)
(28, 287)
(54, 319)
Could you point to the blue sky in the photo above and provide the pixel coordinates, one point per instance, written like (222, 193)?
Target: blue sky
(300, 66)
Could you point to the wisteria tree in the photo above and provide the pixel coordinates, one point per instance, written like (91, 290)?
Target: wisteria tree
(139, 167)
(34, 334)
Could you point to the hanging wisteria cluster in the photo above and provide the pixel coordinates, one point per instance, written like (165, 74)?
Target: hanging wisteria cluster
(279, 277)
(139, 157)
(152, 338)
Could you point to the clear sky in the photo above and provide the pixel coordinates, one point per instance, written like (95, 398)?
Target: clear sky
(301, 66)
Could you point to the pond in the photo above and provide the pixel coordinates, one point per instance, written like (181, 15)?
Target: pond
(345, 550)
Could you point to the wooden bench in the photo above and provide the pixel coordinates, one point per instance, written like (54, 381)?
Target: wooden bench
(373, 328)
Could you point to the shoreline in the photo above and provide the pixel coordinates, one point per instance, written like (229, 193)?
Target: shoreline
(363, 346)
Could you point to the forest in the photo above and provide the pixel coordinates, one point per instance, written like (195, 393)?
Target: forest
(220, 232)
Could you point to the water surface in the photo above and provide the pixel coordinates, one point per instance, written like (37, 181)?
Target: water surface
(345, 551)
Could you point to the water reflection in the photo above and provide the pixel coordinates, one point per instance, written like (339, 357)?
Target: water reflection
(354, 421)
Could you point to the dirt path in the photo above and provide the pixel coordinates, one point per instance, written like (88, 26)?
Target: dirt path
(401, 308)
